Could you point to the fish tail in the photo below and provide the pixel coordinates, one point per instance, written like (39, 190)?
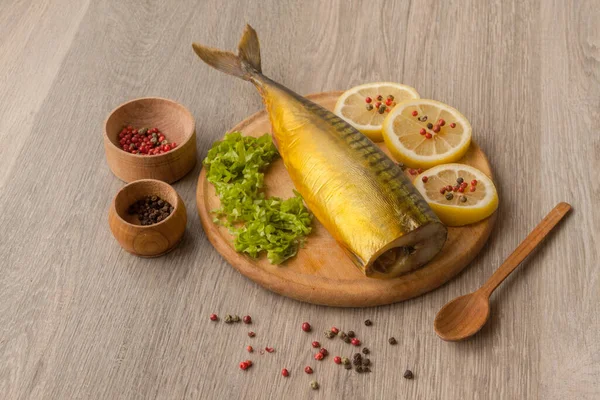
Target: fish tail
(245, 64)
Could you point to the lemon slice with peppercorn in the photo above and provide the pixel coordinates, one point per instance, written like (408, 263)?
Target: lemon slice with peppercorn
(366, 106)
(458, 194)
(424, 133)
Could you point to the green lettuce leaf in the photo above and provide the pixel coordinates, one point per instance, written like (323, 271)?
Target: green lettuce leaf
(235, 166)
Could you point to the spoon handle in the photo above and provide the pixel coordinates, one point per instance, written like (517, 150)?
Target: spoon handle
(526, 247)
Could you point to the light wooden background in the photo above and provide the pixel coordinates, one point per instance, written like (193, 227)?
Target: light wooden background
(82, 319)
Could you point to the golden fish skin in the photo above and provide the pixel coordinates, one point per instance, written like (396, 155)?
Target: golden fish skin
(359, 195)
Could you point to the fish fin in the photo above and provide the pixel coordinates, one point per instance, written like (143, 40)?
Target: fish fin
(249, 48)
(244, 65)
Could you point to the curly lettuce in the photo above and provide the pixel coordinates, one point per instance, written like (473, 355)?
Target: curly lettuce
(278, 227)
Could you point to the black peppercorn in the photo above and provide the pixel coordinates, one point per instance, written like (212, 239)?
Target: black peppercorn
(351, 334)
(408, 374)
(366, 351)
(368, 322)
(392, 340)
(429, 125)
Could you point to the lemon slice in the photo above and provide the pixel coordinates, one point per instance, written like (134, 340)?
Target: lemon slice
(471, 198)
(422, 133)
(366, 106)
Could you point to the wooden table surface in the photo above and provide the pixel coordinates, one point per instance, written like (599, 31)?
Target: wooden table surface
(82, 319)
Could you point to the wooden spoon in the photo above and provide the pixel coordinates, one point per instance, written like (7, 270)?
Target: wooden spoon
(466, 315)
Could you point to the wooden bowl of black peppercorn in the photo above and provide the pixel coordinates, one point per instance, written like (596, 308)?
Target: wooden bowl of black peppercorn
(147, 217)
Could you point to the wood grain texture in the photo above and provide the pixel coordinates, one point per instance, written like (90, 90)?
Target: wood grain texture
(80, 318)
(321, 273)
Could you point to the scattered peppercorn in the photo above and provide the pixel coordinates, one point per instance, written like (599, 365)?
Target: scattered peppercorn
(472, 188)
(381, 109)
(324, 352)
(379, 97)
(316, 344)
(428, 135)
(366, 369)
(348, 366)
(415, 113)
(408, 374)
(247, 319)
(351, 334)
(452, 125)
(236, 318)
(388, 102)
(306, 327)
(366, 350)
(251, 334)
(422, 131)
(228, 319)
(368, 99)
(436, 128)
(337, 359)
(368, 322)
(150, 210)
(335, 330)
(342, 334)
(314, 385)
(359, 369)
(214, 317)
(449, 196)
(319, 356)
(345, 361)
(329, 334)
(245, 364)
(269, 349)
(390, 97)
(462, 199)
(249, 349)
(369, 107)
(366, 362)
(474, 182)
(425, 179)
(347, 339)
(285, 372)
(355, 342)
(441, 122)
(429, 125)
(308, 370)
(392, 340)
(459, 180)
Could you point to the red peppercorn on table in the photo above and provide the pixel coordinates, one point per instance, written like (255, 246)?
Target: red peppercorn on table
(321, 273)
(80, 318)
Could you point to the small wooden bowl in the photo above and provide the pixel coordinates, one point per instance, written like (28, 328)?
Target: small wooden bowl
(147, 240)
(173, 119)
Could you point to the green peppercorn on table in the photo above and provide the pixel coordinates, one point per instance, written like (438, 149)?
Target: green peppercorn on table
(82, 318)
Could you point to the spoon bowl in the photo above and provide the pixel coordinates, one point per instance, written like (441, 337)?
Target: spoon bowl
(462, 317)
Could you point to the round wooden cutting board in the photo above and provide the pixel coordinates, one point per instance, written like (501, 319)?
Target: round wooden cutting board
(321, 273)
